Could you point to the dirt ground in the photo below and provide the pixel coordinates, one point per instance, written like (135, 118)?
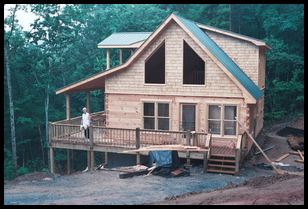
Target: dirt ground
(257, 183)
(273, 190)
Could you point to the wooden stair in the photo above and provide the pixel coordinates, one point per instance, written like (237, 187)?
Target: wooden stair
(218, 163)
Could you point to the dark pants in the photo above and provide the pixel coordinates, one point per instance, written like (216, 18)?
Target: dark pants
(87, 133)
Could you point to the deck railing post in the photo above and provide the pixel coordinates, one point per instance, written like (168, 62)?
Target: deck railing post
(137, 145)
(91, 152)
(137, 138)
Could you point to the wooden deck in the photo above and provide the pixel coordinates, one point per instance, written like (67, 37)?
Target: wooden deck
(66, 134)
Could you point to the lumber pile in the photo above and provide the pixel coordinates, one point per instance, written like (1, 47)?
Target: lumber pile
(167, 147)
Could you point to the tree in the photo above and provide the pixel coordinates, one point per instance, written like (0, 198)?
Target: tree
(9, 86)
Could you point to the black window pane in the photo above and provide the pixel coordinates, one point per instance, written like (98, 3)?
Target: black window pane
(149, 123)
(155, 66)
(193, 72)
(229, 127)
(230, 112)
(214, 112)
(163, 123)
(163, 110)
(148, 109)
(214, 127)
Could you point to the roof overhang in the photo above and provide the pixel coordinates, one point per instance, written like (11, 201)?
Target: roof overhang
(254, 41)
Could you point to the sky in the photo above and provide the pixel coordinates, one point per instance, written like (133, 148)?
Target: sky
(24, 18)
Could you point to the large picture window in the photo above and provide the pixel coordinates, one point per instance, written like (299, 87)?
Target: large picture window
(155, 66)
(156, 116)
(222, 122)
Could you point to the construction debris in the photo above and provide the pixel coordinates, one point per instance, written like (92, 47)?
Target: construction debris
(300, 154)
(175, 147)
(295, 153)
(299, 161)
(296, 142)
(282, 157)
(266, 149)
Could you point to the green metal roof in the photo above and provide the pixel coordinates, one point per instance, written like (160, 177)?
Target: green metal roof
(124, 38)
(222, 57)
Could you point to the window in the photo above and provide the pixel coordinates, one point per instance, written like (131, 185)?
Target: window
(226, 119)
(155, 66)
(149, 116)
(193, 66)
(188, 117)
(214, 118)
(156, 116)
(229, 120)
(163, 116)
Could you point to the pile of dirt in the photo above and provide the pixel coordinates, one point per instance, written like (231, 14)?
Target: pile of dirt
(36, 176)
(296, 142)
(261, 181)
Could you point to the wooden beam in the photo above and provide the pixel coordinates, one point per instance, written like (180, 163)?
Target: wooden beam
(138, 158)
(88, 102)
(68, 165)
(300, 154)
(89, 160)
(68, 111)
(205, 161)
(107, 58)
(52, 161)
(121, 57)
(295, 153)
(282, 157)
(299, 161)
(106, 158)
(92, 160)
(257, 145)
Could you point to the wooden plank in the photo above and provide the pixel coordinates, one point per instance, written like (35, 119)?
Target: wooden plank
(299, 161)
(300, 154)
(52, 161)
(266, 149)
(295, 153)
(282, 157)
(257, 145)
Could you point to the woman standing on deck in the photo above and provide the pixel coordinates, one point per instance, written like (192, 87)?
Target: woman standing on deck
(85, 123)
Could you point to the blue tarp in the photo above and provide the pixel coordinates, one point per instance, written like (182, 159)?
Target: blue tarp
(166, 158)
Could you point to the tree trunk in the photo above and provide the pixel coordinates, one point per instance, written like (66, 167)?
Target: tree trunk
(46, 113)
(42, 143)
(230, 20)
(12, 117)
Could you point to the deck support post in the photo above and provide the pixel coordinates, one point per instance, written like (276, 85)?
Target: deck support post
(121, 57)
(138, 145)
(92, 160)
(105, 157)
(68, 165)
(88, 102)
(188, 135)
(205, 161)
(52, 161)
(107, 59)
(89, 160)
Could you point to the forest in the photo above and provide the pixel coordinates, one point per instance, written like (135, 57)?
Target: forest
(61, 48)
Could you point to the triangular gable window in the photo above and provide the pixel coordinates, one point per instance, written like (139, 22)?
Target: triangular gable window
(193, 66)
(155, 66)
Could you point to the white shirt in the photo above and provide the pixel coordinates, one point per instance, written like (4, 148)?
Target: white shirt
(85, 120)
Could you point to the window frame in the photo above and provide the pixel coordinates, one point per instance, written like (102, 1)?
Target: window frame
(222, 119)
(156, 117)
(147, 58)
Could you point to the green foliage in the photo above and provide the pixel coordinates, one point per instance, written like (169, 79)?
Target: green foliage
(62, 48)
(22, 171)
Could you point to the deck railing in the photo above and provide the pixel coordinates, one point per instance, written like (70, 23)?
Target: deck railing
(122, 137)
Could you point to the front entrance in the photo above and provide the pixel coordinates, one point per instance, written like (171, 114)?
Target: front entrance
(188, 117)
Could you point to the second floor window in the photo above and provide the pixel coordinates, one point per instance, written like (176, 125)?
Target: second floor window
(193, 66)
(155, 66)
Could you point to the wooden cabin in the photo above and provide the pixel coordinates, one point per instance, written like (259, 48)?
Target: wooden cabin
(184, 83)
